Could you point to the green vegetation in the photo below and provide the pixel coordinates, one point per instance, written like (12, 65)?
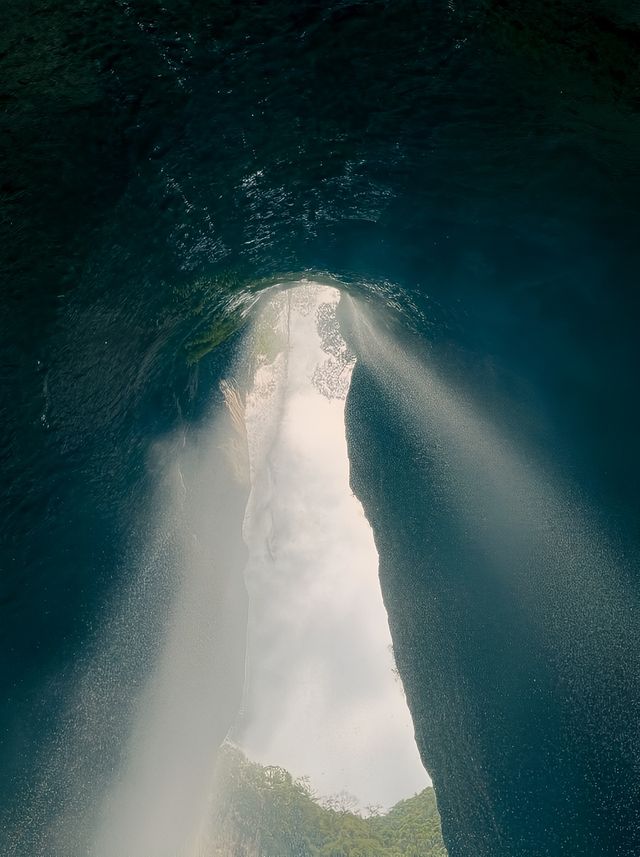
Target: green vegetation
(214, 336)
(265, 812)
(218, 306)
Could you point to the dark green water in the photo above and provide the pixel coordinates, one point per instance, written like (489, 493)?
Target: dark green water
(473, 168)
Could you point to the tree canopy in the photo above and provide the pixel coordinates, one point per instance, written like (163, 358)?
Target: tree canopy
(265, 812)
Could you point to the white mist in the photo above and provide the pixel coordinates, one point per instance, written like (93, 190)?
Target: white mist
(322, 699)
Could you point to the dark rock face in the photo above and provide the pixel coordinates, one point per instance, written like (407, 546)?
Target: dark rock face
(476, 164)
(515, 640)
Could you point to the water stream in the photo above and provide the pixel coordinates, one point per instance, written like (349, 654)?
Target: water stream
(322, 698)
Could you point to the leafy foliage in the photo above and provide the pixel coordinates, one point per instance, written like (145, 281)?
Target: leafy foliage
(265, 812)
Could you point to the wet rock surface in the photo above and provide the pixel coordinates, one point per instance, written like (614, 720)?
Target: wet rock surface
(474, 165)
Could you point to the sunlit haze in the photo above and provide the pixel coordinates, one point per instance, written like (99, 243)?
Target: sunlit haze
(322, 697)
